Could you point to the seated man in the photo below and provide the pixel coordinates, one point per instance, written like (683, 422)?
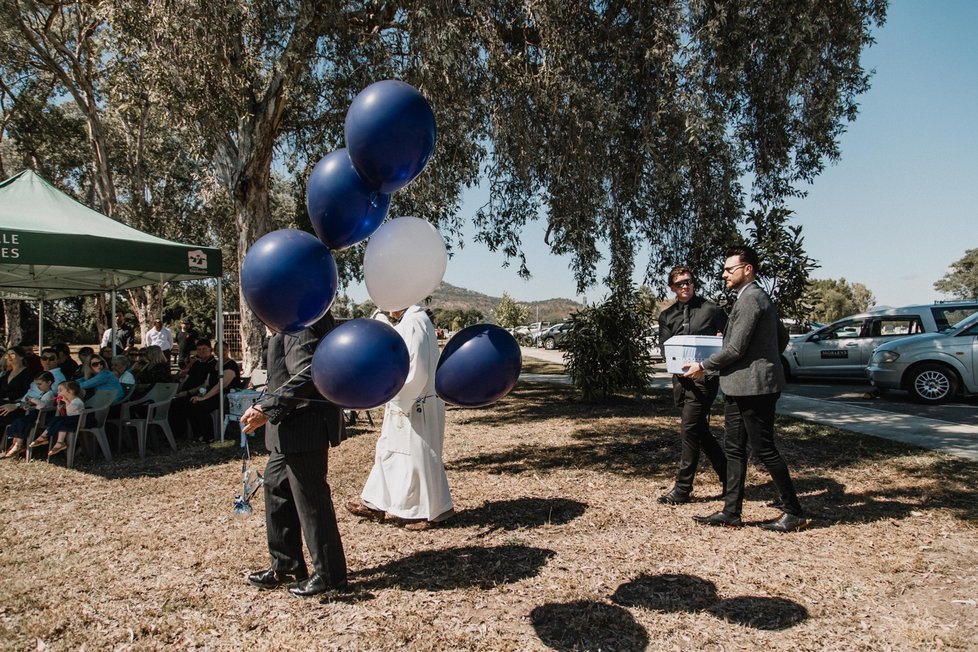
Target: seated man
(202, 375)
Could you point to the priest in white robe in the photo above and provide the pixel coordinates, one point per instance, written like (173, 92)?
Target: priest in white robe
(408, 480)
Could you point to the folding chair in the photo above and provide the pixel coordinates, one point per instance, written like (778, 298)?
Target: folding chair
(42, 419)
(156, 415)
(158, 392)
(98, 407)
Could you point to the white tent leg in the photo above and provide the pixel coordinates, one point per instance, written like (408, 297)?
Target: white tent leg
(112, 326)
(219, 330)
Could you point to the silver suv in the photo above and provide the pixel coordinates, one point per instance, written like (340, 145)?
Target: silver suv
(844, 347)
(933, 367)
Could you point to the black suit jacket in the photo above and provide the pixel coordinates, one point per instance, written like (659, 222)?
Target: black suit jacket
(299, 418)
(705, 318)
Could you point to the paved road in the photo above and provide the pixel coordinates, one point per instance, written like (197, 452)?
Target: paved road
(963, 411)
(951, 428)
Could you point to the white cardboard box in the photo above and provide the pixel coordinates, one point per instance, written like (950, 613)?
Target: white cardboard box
(684, 350)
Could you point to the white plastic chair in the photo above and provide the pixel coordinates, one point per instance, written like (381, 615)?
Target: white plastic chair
(158, 392)
(98, 407)
(42, 419)
(259, 378)
(156, 415)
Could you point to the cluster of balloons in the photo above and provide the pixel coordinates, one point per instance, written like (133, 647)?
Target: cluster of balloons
(289, 277)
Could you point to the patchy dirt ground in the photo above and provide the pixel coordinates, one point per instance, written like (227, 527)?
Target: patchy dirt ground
(558, 544)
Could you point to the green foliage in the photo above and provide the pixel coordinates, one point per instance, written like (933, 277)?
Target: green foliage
(831, 299)
(607, 351)
(194, 300)
(455, 319)
(961, 279)
(509, 313)
(785, 267)
(616, 123)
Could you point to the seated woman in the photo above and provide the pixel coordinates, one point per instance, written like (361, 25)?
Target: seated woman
(156, 370)
(15, 383)
(101, 378)
(120, 367)
(70, 406)
(23, 425)
(83, 371)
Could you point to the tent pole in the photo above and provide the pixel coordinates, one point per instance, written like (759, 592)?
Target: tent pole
(112, 324)
(40, 325)
(219, 329)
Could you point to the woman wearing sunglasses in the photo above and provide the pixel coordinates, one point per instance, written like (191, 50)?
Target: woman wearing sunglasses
(101, 378)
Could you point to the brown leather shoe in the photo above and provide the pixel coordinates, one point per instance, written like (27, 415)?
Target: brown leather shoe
(357, 508)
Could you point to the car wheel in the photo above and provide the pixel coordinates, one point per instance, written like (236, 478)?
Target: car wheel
(550, 344)
(787, 369)
(932, 383)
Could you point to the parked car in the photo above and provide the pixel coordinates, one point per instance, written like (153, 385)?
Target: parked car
(555, 337)
(933, 367)
(536, 329)
(844, 347)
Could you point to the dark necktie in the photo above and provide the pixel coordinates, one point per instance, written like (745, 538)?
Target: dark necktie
(685, 328)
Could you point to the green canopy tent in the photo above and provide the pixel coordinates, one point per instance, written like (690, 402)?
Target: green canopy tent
(52, 247)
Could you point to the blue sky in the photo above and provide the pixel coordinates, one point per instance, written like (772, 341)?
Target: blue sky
(893, 214)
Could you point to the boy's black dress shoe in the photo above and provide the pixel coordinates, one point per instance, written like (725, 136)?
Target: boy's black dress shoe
(674, 497)
(787, 523)
(719, 518)
(315, 585)
(271, 578)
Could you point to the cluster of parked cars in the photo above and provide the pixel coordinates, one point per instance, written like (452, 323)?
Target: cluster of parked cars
(549, 336)
(930, 350)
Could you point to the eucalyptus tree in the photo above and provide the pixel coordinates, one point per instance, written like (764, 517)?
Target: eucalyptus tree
(961, 279)
(628, 122)
(67, 59)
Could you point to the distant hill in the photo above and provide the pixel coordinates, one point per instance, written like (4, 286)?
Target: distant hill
(552, 310)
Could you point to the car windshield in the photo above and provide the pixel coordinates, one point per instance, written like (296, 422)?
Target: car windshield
(963, 324)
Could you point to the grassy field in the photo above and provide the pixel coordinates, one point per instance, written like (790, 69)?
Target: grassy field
(558, 544)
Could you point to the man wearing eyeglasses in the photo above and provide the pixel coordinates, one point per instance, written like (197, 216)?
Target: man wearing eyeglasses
(692, 315)
(751, 378)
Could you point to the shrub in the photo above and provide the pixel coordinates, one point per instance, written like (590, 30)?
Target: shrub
(607, 351)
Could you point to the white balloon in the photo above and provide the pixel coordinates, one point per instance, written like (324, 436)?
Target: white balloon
(404, 262)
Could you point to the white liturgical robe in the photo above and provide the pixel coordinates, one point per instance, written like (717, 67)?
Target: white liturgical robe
(408, 477)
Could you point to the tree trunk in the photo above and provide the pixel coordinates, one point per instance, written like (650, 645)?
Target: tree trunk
(12, 327)
(147, 304)
(254, 220)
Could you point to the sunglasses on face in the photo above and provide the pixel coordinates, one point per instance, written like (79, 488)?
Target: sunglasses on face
(95, 363)
(684, 283)
(48, 358)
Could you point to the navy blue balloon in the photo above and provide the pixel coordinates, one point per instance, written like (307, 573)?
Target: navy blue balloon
(478, 366)
(344, 210)
(390, 134)
(360, 364)
(289, 279)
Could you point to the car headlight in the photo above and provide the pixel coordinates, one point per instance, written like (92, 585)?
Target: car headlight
(885, 356)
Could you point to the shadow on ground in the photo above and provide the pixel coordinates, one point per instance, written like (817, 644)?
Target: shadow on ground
(588, 625)
(456, 568)
(638, 437)
(520, 513)
(688, 593)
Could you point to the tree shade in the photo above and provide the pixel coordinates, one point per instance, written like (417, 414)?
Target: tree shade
(52, 247)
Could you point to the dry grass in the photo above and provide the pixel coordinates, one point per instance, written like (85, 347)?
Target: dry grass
(559, 543)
